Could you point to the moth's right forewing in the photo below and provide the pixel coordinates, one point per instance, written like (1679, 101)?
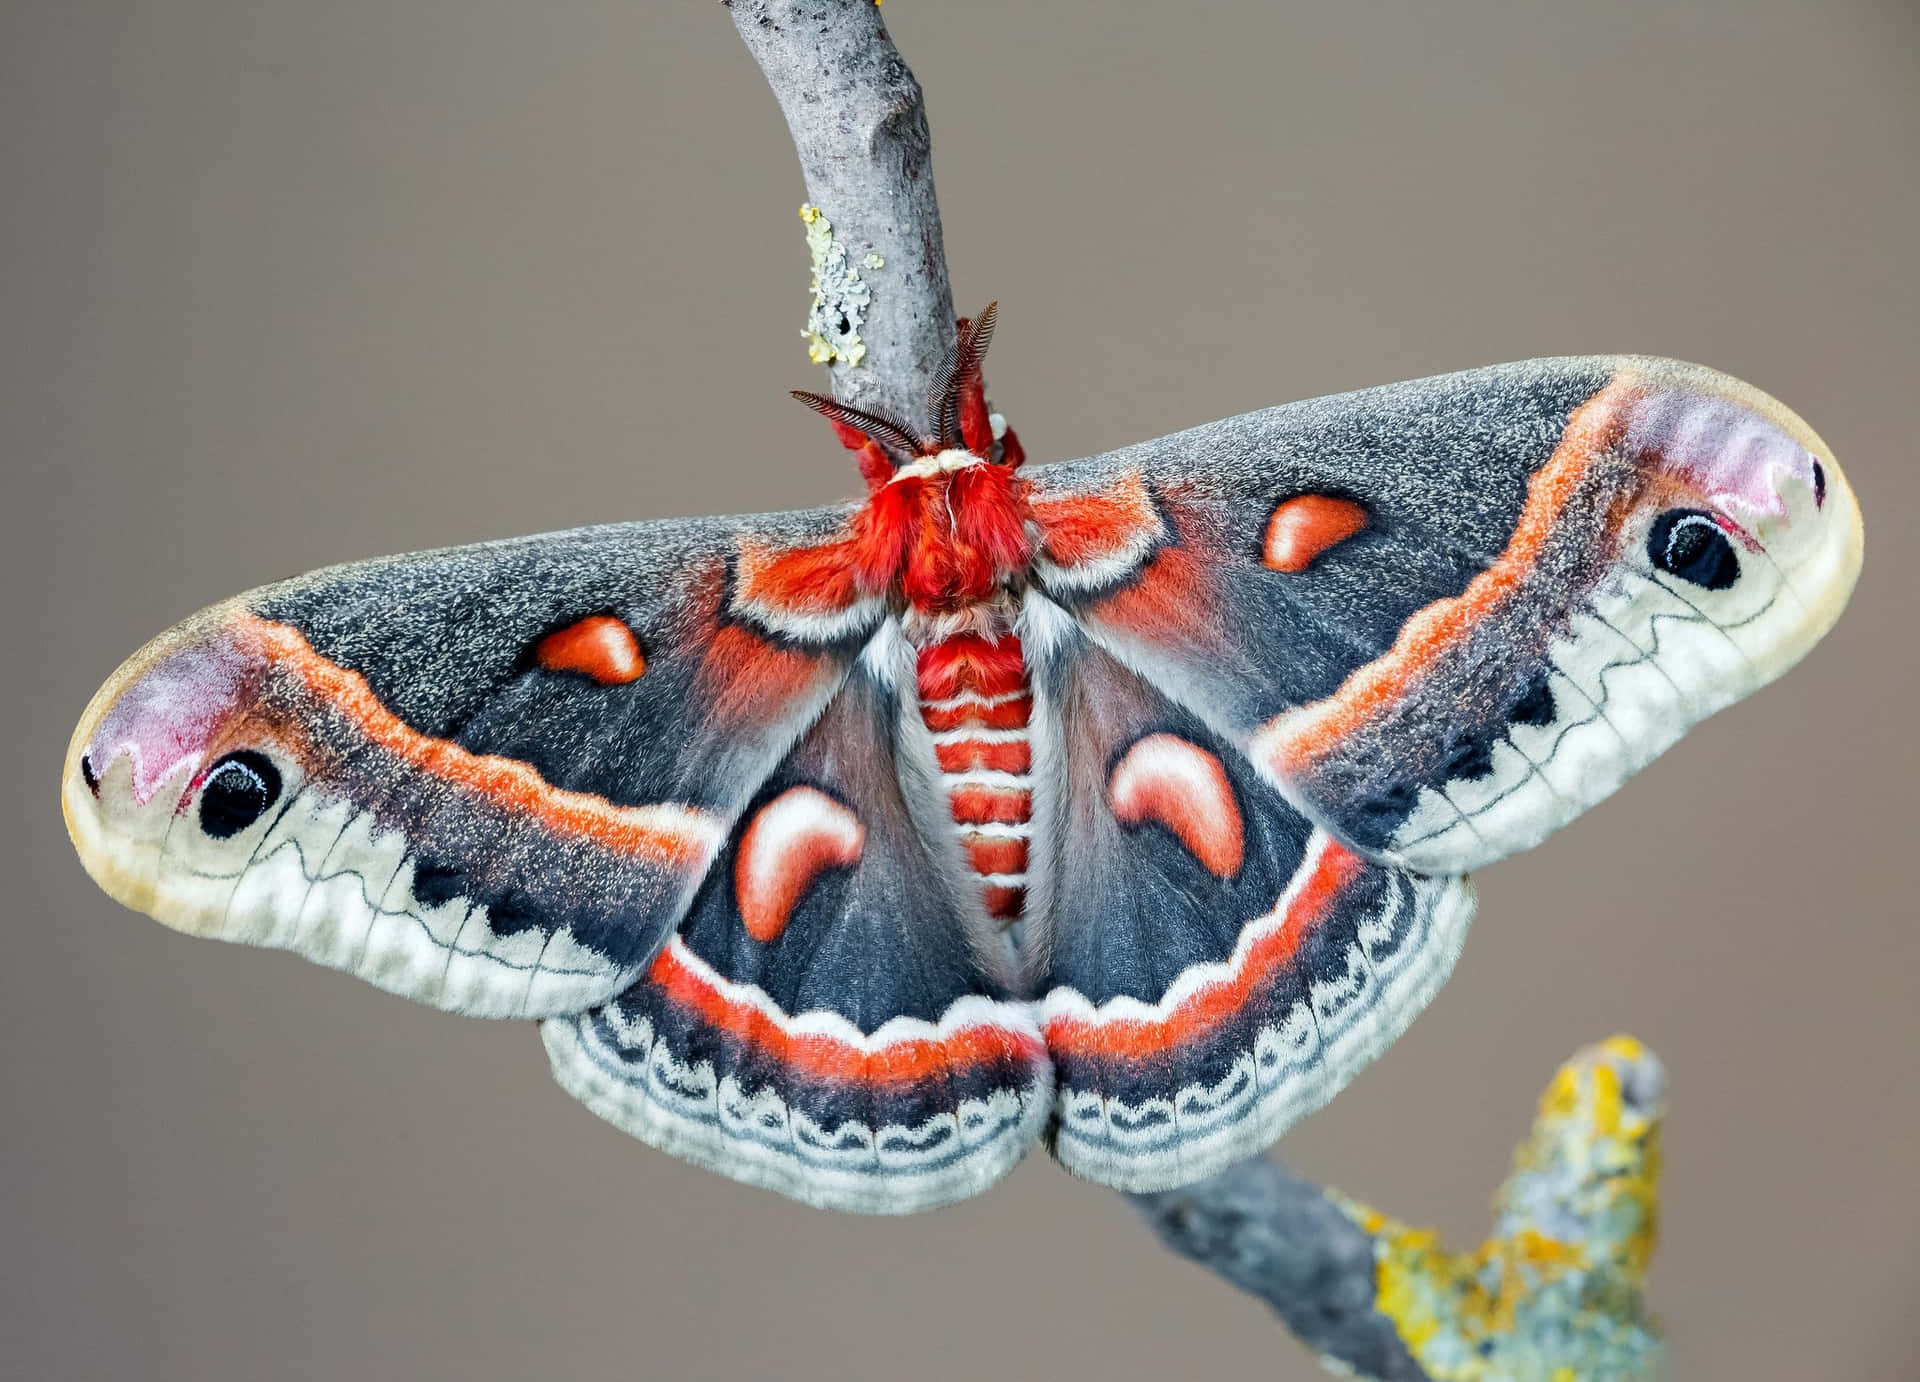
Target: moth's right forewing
(1447, 616)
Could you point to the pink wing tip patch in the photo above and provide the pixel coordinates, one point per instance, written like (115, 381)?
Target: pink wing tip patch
(793, 840)
(1181, 786)
(1303, 527)
(599, 646)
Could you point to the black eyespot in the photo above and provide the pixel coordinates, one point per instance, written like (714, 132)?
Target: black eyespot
(1690, 545)
(88, 776)
(237, 792)
(1819, 485)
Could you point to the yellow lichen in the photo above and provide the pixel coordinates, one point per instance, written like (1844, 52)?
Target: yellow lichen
(840, 295)
(1606, 1101)
(1555, 1293)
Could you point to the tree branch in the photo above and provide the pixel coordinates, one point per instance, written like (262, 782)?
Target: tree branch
(1279, 1238)
(883, 310)
(1556, 1293)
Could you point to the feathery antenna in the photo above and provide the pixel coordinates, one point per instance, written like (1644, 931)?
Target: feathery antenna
(896, 440)
(959, 369)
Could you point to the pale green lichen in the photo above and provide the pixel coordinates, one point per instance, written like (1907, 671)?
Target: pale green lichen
(840, 296)
(1556, 1294)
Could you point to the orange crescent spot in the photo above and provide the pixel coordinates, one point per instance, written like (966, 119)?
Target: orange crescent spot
(599, 646)
(1184, 788)
(793, 840)
(1302, 528)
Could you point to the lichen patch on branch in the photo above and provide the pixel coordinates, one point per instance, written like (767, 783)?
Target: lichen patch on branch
(1556, 1294)
(840, 295)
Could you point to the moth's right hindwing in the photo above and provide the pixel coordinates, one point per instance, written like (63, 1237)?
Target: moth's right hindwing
(1211, 966)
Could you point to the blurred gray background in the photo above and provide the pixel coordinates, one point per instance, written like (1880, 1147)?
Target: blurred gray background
(286, 284)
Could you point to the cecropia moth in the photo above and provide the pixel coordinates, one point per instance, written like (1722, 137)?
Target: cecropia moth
(1124, 803)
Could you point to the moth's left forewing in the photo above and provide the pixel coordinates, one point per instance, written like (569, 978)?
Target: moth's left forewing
(488, 778)
(1445, 617)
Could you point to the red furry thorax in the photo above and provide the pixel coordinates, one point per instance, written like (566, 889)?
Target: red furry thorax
(948, 539)
(945, 541)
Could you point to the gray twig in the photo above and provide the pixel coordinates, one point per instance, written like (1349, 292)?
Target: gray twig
(860, 127)
(1279, 1238)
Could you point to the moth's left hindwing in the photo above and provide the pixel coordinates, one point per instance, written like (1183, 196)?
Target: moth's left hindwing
(826, 1022)
(489, 778)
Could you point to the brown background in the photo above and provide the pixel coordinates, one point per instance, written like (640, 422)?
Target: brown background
(289, 283)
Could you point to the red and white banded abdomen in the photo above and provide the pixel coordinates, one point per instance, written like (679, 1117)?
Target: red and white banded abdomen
(975, 700)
